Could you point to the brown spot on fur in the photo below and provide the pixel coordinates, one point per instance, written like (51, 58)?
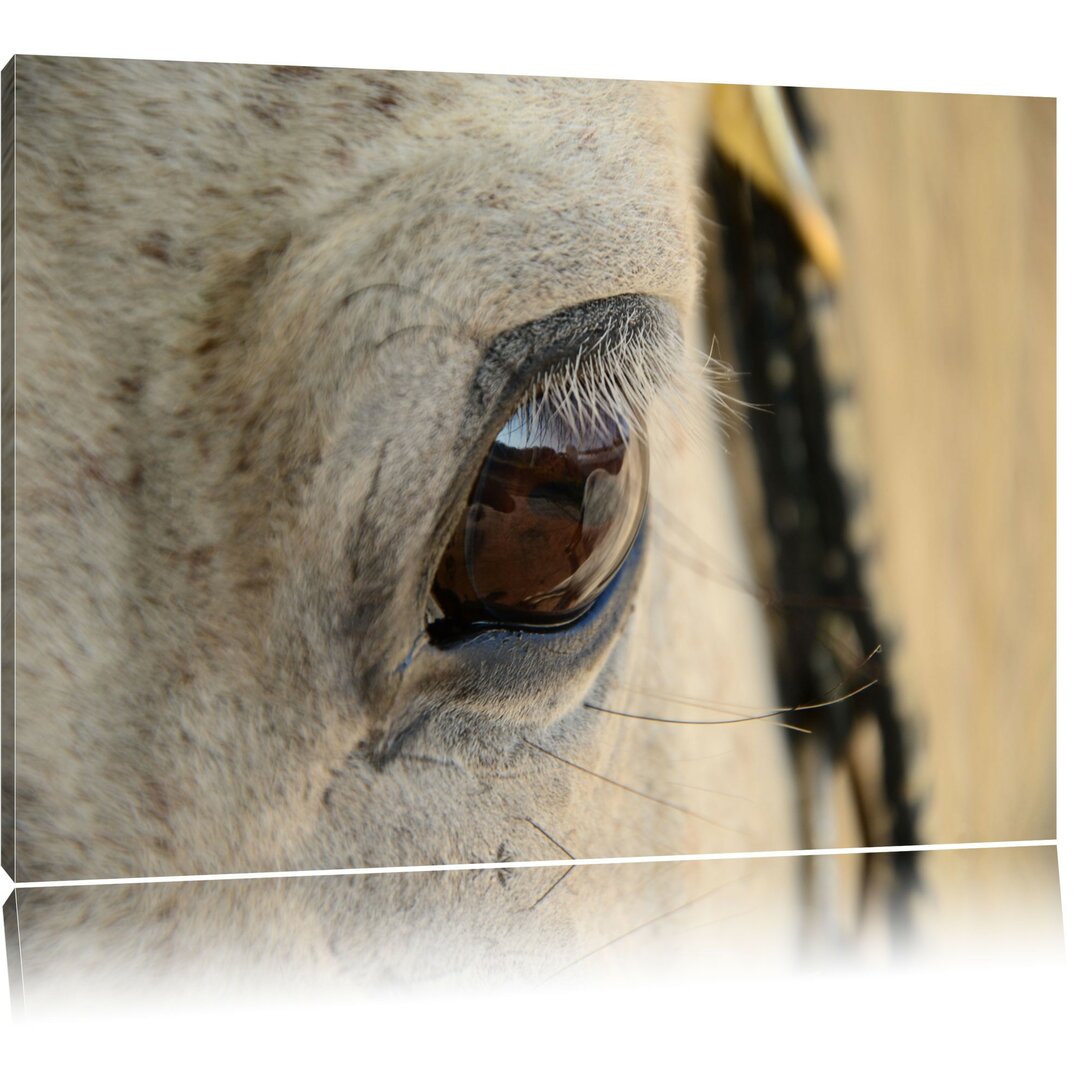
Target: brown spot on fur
(254, 582)
(167, 912)
(269, 112)
(93, 470)
(180, 673)
(157, 245)
(341, 153)
(252, 426)
(157, 802)
(196, 558)
(129, 389)
(387, 99)
(290, 72)
(225, 410)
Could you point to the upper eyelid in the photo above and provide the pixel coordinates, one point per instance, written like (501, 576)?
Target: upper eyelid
(617, 354)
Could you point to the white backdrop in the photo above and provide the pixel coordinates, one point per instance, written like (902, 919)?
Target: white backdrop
(885, 1024)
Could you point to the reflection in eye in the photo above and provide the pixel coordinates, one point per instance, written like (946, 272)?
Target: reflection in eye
(551, 518)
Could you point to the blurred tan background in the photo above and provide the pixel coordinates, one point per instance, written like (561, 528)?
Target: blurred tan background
(945, 326)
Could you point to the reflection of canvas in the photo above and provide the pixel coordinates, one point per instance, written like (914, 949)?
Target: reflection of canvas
(270, 321)
(460, 930)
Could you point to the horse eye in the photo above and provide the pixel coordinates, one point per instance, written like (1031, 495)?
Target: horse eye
(553, 514)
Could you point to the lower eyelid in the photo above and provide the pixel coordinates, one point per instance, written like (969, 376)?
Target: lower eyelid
(484, 676)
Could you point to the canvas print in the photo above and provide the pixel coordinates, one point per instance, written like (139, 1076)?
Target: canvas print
(406, 469)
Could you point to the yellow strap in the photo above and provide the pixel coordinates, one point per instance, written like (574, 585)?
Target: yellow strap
(752, 129)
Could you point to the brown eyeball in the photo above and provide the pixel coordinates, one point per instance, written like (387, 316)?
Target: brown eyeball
(551, 518)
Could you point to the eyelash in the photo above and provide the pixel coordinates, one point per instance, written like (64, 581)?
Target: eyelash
(649, 381)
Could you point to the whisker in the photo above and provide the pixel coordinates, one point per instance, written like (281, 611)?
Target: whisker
(769, 599)
(721, 577)
(701, 703)
(774, 601)
(705, 723)
(551, 888)
(741, 719)
(707, 790)
(641, 926)
(562, 877)
(540, 829)
(724, 568)
(692, 702)
(628, 788)
(875, 651)
(643, 831)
